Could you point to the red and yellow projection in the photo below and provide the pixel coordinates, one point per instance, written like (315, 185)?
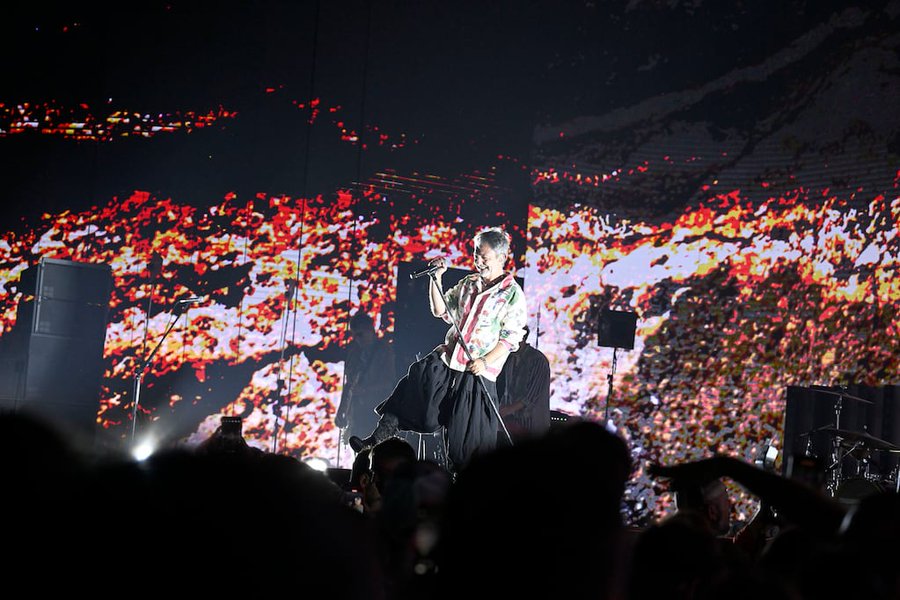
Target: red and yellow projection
(82, 124)
(736, 300)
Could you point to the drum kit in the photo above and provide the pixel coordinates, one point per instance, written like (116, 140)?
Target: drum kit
(854, 468)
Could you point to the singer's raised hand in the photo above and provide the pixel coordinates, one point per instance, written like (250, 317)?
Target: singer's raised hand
(435, 293)
(439, 262)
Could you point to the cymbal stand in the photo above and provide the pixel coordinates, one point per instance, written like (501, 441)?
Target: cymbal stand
(834, 470)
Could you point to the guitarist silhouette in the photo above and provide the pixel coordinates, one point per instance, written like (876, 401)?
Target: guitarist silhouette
(369, 375)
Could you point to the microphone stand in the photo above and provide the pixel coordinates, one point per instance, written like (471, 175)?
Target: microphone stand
(279, 384)
(609, 390)
(465, 347)
(179, 308)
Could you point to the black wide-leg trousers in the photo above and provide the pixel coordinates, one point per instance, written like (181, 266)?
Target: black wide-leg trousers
(432, 395)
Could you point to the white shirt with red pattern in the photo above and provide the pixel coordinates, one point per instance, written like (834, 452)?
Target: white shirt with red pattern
(488, 315)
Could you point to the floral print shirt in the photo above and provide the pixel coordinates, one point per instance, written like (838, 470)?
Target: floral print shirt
(485, 317)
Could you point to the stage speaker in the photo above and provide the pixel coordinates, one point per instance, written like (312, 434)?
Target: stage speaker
(616, 329)
(60, 349)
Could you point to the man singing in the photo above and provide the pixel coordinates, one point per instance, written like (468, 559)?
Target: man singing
(446, 389)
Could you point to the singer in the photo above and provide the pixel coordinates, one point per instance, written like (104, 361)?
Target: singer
(442, 390)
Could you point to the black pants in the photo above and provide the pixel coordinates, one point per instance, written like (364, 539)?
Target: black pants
(432, 395)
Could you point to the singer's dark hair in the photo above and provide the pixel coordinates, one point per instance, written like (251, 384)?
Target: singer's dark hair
(496, 239)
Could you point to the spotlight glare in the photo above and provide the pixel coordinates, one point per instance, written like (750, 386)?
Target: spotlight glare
(143, 451)
(317, 463)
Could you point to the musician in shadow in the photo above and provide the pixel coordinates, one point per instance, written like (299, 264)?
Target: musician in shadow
(524, 390)
(369, 374)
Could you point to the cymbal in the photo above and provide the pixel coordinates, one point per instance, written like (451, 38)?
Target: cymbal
(863, 438)
(831, 392)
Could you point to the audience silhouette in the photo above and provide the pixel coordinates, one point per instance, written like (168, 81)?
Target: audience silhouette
(538, 519)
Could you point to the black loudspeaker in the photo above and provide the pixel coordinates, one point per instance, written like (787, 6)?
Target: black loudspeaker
(57, 352)
(616, 329)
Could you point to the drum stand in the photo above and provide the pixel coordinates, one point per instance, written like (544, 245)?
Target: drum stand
(860, 446)
(834, 469)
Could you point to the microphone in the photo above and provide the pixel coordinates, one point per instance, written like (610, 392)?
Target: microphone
(181, 305)
(425, 272)
(291, 288)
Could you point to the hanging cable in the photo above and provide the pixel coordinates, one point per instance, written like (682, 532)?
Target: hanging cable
(304, 184)
(360, 147)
